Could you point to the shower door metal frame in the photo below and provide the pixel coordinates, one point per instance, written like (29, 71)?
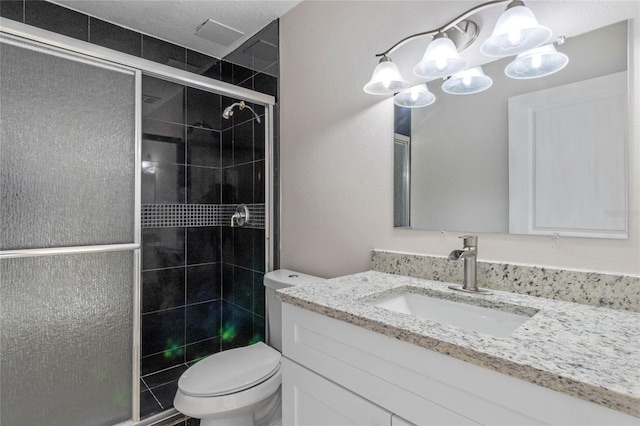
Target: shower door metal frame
(153, 69)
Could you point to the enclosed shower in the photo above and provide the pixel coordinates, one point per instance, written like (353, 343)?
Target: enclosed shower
(201, 277)
(119, 267)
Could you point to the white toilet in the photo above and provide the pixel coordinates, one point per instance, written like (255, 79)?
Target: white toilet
(241, 386)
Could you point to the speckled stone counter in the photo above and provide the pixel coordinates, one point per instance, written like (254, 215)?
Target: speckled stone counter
(588, 352)
(591, 288)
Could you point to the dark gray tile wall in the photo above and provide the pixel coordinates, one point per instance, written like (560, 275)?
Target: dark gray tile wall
(202, 286)
(12, 9)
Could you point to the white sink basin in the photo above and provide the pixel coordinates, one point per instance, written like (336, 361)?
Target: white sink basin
(491, 321)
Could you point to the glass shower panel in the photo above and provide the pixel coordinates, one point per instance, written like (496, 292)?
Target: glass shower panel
(67, 180)
(67, 151)
(66, 339)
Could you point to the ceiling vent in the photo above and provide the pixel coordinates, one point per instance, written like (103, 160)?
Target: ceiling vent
(218, 33)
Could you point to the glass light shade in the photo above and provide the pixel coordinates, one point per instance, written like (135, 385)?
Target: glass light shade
(516, 31)
(536, 63)
(467, 82)
(441, 59)
(386, 79)
(414, 97)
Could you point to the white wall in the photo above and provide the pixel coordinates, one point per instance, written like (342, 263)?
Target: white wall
(337, 150)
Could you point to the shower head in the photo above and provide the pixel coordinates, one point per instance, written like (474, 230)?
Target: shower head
(228, 111)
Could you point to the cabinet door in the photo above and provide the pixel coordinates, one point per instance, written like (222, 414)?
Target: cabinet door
(311, 400)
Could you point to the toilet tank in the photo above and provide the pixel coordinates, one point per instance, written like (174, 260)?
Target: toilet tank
(275, 280)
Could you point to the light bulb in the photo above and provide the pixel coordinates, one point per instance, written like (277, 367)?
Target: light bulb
(441, 64)
(414, 95)
(386, 83)
(536, 61)
(515, 36)
(466, 80)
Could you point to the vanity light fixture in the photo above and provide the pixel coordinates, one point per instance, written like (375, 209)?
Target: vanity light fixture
(517, 32)
(386, 79)
(415, 97)
(537, 62)
(467, 82)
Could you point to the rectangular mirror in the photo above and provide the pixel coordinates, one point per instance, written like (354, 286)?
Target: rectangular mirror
(546, 156)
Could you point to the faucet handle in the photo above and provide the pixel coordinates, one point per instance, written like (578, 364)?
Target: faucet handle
(469, 240)
(241, 216)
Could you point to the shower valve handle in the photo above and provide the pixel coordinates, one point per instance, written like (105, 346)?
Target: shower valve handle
(241, 216)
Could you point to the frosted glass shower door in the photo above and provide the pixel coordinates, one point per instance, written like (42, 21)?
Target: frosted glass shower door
(69, 243)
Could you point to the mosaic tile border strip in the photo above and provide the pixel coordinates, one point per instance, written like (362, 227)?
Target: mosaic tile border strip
(194, 215)
(620, 292)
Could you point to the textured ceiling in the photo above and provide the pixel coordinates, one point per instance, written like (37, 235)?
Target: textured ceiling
(176, 21)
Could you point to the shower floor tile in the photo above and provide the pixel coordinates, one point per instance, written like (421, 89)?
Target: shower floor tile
(148, 404)
(157, 390)
(165, 376)
(166, 393)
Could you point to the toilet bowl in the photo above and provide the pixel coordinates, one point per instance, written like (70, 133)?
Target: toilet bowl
(236, 387)
(241, 387)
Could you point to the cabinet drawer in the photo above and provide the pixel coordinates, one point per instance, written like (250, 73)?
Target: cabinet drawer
(311, 400)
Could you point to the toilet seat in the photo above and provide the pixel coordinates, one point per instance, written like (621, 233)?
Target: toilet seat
(230, 371)
(224, 406)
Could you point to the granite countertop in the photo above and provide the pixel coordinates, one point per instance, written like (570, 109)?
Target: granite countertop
(588, 352)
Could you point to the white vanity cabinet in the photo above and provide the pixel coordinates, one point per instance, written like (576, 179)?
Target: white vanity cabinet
(336, 373)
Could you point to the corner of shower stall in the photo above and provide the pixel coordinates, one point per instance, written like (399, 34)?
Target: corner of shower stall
(202, 287)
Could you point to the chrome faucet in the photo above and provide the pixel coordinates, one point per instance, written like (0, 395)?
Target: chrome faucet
(470, 255)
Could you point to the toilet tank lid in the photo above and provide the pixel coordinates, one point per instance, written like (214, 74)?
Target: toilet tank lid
(283, 278)
(230, 371)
